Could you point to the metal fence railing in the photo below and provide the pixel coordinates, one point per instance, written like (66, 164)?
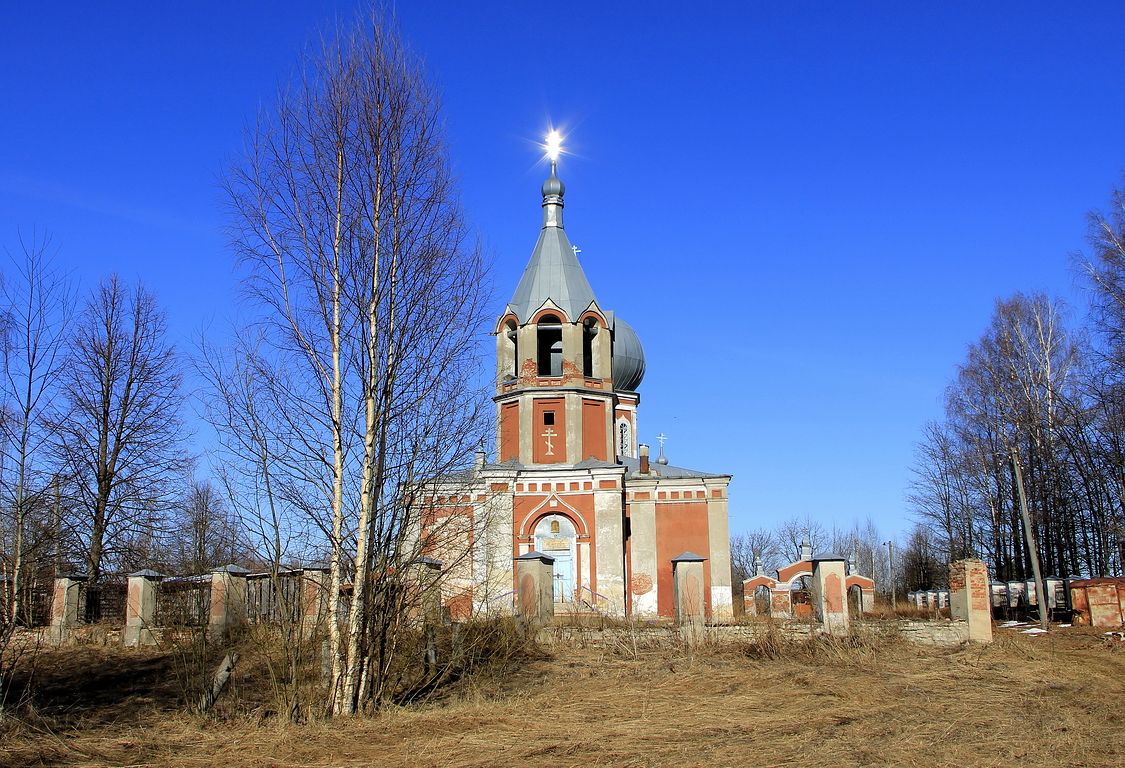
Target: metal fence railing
(37, 610)
(183, 601)
(270, 601)
(34, 604)
(104, 601)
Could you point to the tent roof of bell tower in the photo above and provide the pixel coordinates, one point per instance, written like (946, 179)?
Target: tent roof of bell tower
(553, 272)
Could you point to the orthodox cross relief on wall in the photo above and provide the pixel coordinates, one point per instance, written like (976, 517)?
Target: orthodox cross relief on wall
(548, 435)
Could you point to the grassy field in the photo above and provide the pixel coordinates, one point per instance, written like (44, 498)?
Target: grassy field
(1052, 700)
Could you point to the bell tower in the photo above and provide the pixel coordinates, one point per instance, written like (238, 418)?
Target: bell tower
(567, 370)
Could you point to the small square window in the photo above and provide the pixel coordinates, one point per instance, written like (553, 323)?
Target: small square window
(549, 418)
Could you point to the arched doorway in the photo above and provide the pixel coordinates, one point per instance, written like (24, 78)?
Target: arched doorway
(800, 595)
(762, 600)
(855, 600)
(555, 536)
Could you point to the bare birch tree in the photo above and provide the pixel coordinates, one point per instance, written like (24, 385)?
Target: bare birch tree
(370, 296)
(122, 442)
(1106, 272)
(36, 304)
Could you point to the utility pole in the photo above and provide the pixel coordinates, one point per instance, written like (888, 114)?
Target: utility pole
(891, 568)
(1029, 536)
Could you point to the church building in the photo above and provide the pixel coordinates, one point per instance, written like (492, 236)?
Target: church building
(570, 479)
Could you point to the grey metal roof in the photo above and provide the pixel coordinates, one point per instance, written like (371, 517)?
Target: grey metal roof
(553, 272)
(631, 466)
(534, 555)
(469, 474)
(663, 470)
(147, 573)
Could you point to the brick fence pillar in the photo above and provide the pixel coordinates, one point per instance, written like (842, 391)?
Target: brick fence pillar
(140, 608)
(781, 602)
(970, 599)
(315, 605)
(228, 599)
(688, 585)
(829, 594)
(535, 590)
(64, 608)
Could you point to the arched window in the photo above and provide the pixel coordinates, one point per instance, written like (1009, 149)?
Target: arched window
(624, 439)
(589, 331)
(549, 337)
(511, 360)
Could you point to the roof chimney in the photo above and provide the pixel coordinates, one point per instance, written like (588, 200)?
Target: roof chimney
(478, 461)
(644, 459)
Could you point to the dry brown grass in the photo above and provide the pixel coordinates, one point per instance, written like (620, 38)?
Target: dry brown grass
(904, 610)
(869, 700)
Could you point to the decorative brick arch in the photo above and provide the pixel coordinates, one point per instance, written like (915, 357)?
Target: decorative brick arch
(758, 581)
(597, 317)
(855, 580)
(549, 309)
(502, 323)
(866, 596)
(532, 518)
(794, 571)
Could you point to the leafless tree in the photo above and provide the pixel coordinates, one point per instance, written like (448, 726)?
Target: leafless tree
(940, 492)
(1026, 384)
(748, 547)
(791, 533)
(36, 303)
(369, 296)
(866, 545)
(260, 425)
(122, 443)
(1106, 272)
(922, 566)
(208, 535)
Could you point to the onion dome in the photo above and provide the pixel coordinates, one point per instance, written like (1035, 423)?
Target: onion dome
(553, 186)
(628, 357)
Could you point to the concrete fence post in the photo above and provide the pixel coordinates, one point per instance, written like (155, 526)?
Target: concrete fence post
(228, 599)
(64, 608)
(688, 583)
(535, 592)
(970, 599)
(315, 605)
(140, 608)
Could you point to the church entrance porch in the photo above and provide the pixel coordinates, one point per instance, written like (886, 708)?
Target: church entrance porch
(555, 535)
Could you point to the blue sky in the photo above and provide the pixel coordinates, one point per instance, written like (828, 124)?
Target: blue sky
(805, 210)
